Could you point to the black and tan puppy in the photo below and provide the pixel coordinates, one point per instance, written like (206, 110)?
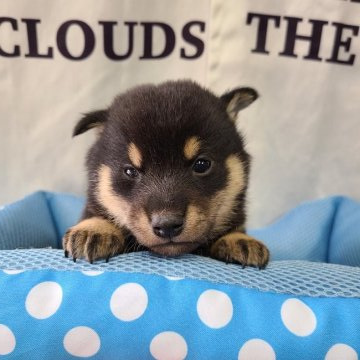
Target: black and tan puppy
(168, 173)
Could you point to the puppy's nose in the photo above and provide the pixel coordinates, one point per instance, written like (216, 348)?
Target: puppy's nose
(167, 225)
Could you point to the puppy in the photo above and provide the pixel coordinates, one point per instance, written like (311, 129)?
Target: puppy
(168, 173)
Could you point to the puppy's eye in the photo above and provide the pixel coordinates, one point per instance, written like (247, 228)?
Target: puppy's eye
(131, 172)
(201, 166)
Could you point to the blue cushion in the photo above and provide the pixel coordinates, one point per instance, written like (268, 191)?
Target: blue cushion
(324, 230)
(140, 306)
(27, 223)
(65, 210)
(38, 220)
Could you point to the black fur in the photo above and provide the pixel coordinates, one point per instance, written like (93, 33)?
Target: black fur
(89, 121)
(159, 120)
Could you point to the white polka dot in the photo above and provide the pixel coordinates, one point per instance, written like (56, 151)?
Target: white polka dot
(13, 272)
(168, 345)
(256, 349)
(92, 272)
(129, 301)
(341, 351)
(44, 299)
(214, 308)
(298, 317)
(7, 340)
(174, 278)
(82, 341)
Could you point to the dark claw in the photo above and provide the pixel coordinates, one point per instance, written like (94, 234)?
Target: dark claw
(74, 259)
(66, 253)
(107, 259)
(243, 266)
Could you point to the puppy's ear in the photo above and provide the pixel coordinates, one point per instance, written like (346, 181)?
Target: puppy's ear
(94, 119)
(238, 99)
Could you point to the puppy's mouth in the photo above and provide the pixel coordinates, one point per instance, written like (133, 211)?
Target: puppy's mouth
(174, 248)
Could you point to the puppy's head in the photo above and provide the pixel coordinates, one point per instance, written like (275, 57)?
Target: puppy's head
(169, 164)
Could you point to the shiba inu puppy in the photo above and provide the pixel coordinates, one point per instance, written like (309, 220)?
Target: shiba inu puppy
(168, 173)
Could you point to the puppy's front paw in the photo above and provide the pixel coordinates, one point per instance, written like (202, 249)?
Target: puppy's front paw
(93, 238)
(239, 248)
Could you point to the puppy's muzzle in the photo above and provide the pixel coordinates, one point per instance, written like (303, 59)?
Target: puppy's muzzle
(167, 225)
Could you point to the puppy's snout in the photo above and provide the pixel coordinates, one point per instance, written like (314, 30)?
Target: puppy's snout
(167, 225)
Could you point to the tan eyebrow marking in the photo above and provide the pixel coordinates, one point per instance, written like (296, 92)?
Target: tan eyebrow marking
(135, 155)
(192, 147)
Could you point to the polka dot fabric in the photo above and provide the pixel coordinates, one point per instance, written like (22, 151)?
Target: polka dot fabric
(102, 311)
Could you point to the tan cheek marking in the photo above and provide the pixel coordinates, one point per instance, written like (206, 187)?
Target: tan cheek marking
(116, 206)
(135, 155)
(192, 147)
(223, 203)
(143, 224)
(195, 223)
(142, 230)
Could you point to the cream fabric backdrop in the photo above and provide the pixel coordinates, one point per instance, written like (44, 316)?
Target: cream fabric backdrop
(303, 133)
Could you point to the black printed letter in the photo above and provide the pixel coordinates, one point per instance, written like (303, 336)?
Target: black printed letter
(16, 51)
(33, 40)
(109, 40)
(262, 30)
(89, 39)
(343, 43)
(193, 40)
(148, 40)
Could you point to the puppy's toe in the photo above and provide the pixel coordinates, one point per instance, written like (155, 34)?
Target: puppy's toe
(239, 248)
(93, 239)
